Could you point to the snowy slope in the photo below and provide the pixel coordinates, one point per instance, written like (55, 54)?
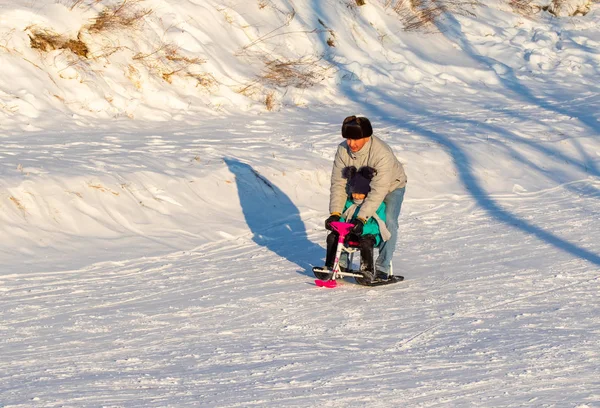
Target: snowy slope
(158, 226)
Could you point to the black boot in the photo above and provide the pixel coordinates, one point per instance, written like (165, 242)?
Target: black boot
(332, 240)
(332, 243)
(367, 266)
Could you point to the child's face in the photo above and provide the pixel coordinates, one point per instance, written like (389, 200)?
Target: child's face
(358, 196)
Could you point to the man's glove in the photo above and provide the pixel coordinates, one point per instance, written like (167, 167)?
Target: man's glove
(359, 223)
(333, 217)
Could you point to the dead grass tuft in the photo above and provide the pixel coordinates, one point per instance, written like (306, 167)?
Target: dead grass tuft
(102, 188)
(18, 203)
(331, 39)
(71, 4)
(127, 14)
(298, 73)
(523, 7)
(47, 40)
(204, 80)
(419, 15)
(168, 61)
(556, 7)
(78, 47)
(270, 101)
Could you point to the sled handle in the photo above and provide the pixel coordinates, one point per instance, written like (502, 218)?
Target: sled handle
(342, 228)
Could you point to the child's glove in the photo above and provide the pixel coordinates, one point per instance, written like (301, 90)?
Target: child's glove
(359, 223)
(333, 217)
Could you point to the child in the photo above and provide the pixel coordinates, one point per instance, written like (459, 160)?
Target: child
(374, 230)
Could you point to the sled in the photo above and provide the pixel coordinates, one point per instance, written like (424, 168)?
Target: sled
(327, 278)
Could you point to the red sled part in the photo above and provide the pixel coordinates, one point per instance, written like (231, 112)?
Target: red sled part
(326, 283)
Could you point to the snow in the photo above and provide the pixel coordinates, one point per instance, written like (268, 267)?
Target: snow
(158, 232)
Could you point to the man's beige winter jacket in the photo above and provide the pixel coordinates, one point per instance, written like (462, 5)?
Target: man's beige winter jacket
(376, 154)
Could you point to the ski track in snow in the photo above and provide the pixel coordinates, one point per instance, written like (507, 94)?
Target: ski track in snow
(490, 315)
(501, 328)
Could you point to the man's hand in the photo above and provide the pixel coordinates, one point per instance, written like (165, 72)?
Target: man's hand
(359, 223)
(333, 217)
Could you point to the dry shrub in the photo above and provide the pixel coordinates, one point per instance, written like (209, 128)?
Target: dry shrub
(78, 47)
(133, 74)
(417, 15)
(168, 61)
(204, 80)
(47, 40)
(270, 101)
(524, 7)
(561, 8)
(298, 73)
(249, 90)
(331, 39)
(71, 4)
(275, 32)
(556, 7)
(127, 14)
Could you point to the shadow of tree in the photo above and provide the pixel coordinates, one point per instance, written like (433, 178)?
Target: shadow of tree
(384, 107)
(585, 165)
(464, 167)
(273, 218)
(509, 80)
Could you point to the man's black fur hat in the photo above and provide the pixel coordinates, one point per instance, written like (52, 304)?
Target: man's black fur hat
(355, 127)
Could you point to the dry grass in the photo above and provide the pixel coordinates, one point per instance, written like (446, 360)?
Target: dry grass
(125, 15)
(523, 7)
(168, 61)
(270, 101)
(562, 8)
(102, 188)
(297, 73)
(71, 4)
(128, 14)
(331, 39)
(133, 74)
(273, 33)
(204, 80)
(279, 73)
(18, 204)
(10, 109)
(419, 15)
(556, 7)
(47, 40)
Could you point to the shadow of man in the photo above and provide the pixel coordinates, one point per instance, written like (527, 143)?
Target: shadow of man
(273, 218)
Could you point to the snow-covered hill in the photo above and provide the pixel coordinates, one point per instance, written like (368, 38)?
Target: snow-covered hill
(164, 180)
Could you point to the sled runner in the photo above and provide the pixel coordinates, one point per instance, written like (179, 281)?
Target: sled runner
(327, 277)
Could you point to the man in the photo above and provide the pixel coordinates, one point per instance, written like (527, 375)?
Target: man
(362, 149)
